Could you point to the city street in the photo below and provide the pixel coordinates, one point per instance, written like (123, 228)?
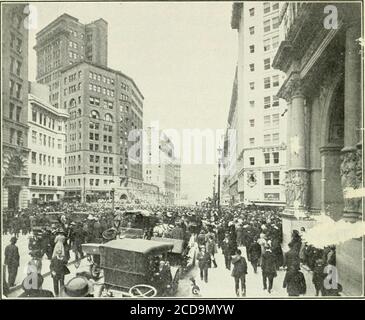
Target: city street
(220, 282)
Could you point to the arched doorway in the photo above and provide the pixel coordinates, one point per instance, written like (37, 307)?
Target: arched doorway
(123, 197)
(333, 142)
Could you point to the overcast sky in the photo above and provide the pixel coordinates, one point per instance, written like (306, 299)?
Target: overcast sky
(182, 57)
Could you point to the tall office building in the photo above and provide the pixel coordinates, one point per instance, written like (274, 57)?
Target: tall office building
(14, 98)
(160, 165)
(46, 141)
(261, 118)
(66, 41)
(104, 132)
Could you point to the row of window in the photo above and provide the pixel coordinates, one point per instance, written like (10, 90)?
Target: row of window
(72, 77)
(74, 55)
(16, 43)
(95, 147)
(96, 102)
(15, 112)
(15, 89)
(45, 121)
(43, 140)
(267, 158)
(95, 136)
(99, 77)
(268, 139)
(95, 115)
(16, 137)
(44, 180)
(72, 89)
(96, 126)
(267, 121)
(267, 8)
(267, 65)
(74, 45)
(99, 89)
(267, 82)
(42, 160)
(15, 66)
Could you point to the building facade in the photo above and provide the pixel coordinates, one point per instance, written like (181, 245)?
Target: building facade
(66, 41)
(14, 99)
(230, 195)
(161, 167)
(261, 158)
(323, 64)
(47, 142)
(104, 132)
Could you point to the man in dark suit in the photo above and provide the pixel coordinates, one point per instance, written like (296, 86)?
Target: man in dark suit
(12, 261)
(268, 268)
(58, 269)
(228, 249)
(239, 272)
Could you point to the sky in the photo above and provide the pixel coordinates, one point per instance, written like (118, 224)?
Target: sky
(182, 57)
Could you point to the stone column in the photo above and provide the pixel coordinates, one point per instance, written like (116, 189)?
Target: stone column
(298, 173)
(351, 167)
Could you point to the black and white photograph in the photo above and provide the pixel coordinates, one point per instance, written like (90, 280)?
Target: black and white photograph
(182, 151)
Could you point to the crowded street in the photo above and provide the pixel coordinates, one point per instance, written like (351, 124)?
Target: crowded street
(197, 227)
(182, 150)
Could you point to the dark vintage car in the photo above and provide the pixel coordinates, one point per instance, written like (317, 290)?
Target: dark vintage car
(131, 267)
(136, 223)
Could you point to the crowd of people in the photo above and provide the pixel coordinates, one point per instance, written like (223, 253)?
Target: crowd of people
(250, 233)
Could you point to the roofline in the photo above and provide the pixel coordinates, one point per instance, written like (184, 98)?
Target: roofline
(33, 98)
(54, 22)
(104, 68)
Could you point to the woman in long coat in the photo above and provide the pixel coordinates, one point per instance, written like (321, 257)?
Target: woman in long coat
(59, 243)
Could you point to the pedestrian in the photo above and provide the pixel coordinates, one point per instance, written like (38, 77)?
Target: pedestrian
(204, 263)
(211, 248)
(59, 243)
(318, 277)
(58, 269)
(291, 258)
(12, 261)
(239, 273)
(294, 282)
(228, 250)
(35, 264)
(254, 254)
(268, 268)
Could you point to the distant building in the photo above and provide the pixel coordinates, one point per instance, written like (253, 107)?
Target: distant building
(261, 118)
(177, 183)
(160, 164)
(65, 41)
(46, 140)
(14, 99)
(104, 138)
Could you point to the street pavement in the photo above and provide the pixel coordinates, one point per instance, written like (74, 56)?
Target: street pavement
(220, 282)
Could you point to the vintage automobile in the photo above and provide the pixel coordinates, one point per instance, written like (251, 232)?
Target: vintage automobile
(136, 267)
(136, 223)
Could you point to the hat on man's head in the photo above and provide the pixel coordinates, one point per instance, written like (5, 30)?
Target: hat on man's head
(13, 239)
(78, 287)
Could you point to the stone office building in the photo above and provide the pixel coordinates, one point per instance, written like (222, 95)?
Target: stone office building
(14, 100)
(323, 64)
(105, 108)
(46, 141)
(66, 41)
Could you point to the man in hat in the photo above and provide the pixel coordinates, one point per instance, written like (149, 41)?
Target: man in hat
(58, 268)
(268, 268)
(78, 287)
(12, 261)
(32, 286)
